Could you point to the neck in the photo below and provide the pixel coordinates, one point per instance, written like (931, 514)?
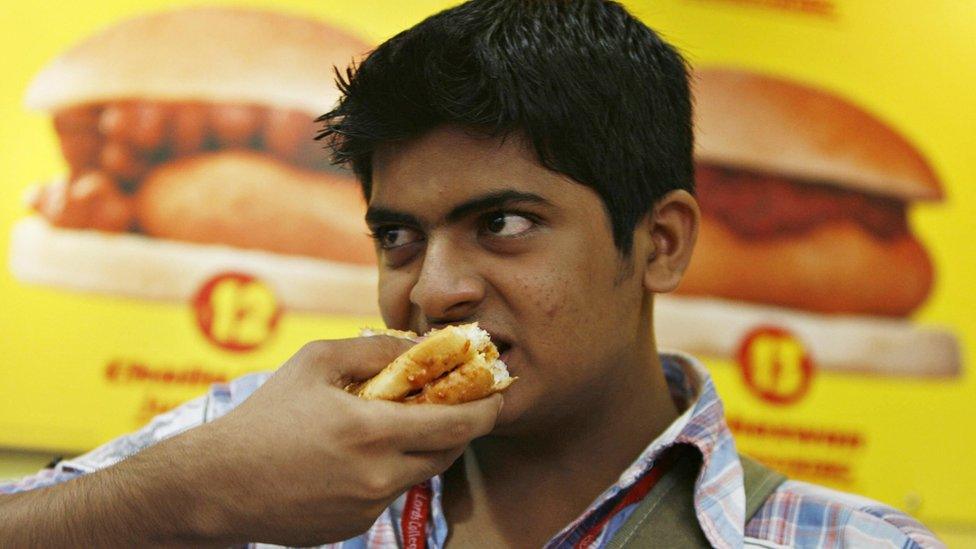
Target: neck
(555, 474)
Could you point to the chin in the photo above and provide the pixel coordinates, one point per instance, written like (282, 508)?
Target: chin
(520, 412)
(512, 416)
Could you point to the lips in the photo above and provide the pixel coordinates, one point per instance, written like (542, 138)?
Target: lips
(502, 342)
(504, 356)
(504, 348)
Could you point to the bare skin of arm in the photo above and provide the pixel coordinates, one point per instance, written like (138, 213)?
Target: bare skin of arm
(299, 463)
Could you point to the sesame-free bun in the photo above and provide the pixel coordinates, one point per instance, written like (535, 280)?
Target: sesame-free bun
(133, 265)
(215, 54)
(452, 365)
(712, 327)
(838, 267)
(766, 123)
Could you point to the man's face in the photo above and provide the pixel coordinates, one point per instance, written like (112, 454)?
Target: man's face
(475, 229)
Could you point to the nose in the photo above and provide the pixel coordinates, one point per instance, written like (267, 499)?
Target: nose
(448, 288)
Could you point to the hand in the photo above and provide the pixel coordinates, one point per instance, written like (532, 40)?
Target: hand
(301, 462)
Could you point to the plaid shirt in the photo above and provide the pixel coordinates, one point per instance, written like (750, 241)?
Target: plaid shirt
(796, 515)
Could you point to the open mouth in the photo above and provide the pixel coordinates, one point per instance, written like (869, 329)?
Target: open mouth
(503, 350)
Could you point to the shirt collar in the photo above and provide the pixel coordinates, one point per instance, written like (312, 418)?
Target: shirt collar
(720, 501)
(719, 489)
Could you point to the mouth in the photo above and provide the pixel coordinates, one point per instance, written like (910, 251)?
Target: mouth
(502, 343)
(504, 348)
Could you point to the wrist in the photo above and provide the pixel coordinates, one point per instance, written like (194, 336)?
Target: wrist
(189, 486)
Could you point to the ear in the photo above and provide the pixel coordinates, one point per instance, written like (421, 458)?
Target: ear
(669, 233)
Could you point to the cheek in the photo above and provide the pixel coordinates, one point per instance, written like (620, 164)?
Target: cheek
(569, 288)
(552, 312)
(542, 296)
(573, 316)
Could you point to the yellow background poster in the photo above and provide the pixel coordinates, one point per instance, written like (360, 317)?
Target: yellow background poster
(81, 367)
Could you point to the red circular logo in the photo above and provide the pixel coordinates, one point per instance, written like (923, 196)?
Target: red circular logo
(776, 366)
(236, 311)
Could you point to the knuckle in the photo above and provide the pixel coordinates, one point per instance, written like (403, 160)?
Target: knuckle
(317, 352)
(375, 428)
(316, 348)
(377, 485)
(376, 433)
(353, 426)
(434, 466)
(391, 347)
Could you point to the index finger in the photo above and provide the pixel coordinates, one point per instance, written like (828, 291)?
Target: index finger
(355, 359)
(435, 427)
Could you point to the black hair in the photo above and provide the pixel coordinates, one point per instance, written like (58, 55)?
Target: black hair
(599, 96)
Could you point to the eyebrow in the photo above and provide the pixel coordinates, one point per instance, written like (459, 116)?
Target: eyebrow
(377, 215)
(494, 200)
(384, 216)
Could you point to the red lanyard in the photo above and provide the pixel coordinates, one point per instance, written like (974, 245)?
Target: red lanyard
(413, 523)
(416, 510)
(634, 494)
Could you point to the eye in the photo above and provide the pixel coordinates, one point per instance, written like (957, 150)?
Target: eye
(394, 237)
(507, 224)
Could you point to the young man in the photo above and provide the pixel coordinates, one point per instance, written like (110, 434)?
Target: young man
(528, 165)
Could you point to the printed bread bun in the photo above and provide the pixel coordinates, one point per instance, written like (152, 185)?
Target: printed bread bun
(213, 54)
(250, 200)
(764, 123)
(452, 365)
(135, 265)
(836, 267)
(150, 210)
(707, 326)
(402, 334)
(470, 381)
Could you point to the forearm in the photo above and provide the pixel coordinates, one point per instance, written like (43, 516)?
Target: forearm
(153, 498)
